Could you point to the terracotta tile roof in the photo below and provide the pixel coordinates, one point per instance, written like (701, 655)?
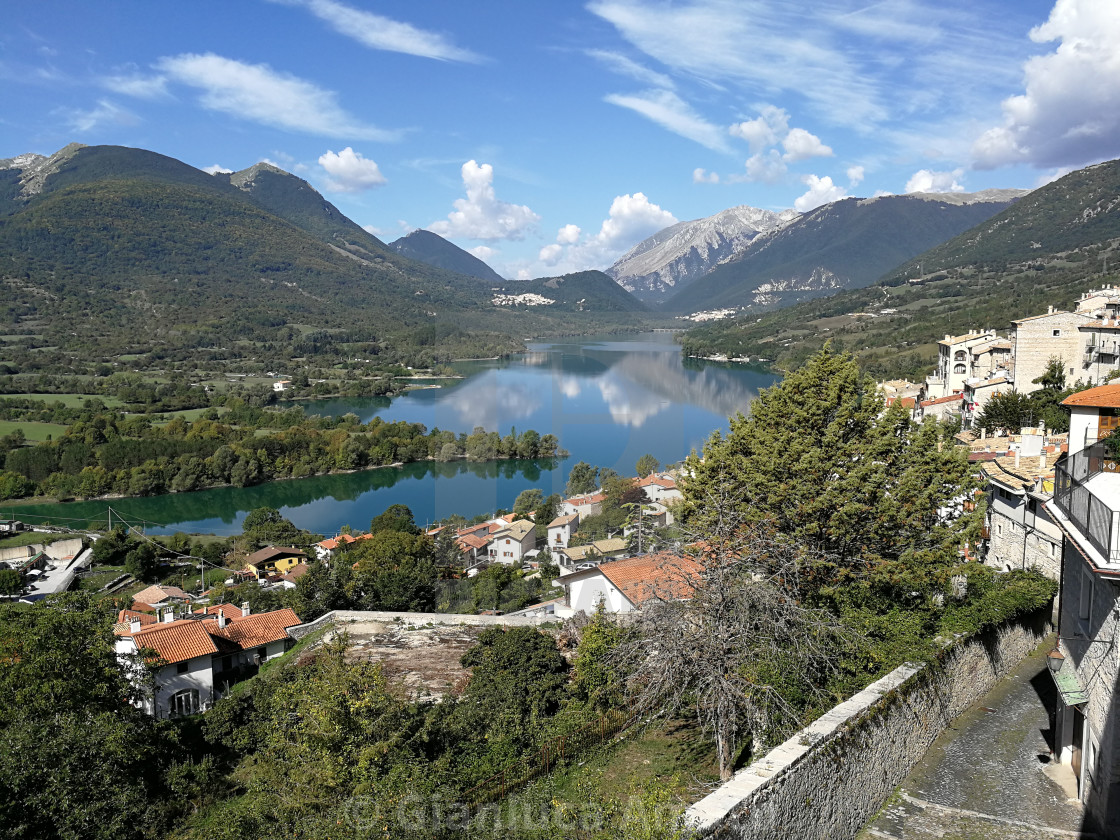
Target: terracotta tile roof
(230, 610)
(940, 400)
(518, 530)
(128, 615)
(155, 594)
(579, 553)
(176, 641)
(589, 499)
(271, 552)
(659, 480)
(665, 576)
(256, 630)
(560, 521)
(907, 402)
(298, 571)
(1003, 469)
(1106, 396)
(471, 541)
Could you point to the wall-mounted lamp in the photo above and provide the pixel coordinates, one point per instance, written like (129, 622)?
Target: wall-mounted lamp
(1054, 660)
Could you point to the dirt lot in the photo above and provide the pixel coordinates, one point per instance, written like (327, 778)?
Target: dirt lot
(425, 659)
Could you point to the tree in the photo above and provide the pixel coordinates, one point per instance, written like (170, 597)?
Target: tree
(142, 561)
(647, 464)
(395, 518)
(821, 460)
(528, 501)
(395, 571)
(265, 526)
(1054, 377)
(583, 478)
(1008, 412)
(10, 582)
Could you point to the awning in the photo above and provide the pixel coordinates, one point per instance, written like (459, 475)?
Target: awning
(1069, 686)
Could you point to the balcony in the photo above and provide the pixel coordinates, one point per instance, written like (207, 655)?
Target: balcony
(1087, 490)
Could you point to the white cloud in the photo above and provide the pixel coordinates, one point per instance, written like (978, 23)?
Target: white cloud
(1069, 112)
(137, 85)
(701, 176)
(768, 168)
(671, 112)
(821, 191)
(483, 252)
(382, 33)
(550, 254)
(257, 92)
(215, 168)
(855, 175)
(626, 66)
(348, 171)
(481, 215)
(568, 235)
(929, 181)
(801, 145)
(765, 130)
(106, 113)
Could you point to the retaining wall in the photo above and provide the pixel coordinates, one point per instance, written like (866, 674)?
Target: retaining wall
(830, 778)
(341, 618)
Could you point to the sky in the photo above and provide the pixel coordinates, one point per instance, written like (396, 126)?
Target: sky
(552, 136)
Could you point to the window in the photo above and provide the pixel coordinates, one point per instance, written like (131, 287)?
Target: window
(1085, 607)
(1057, 333)
(181, 668)
(958, 368)
(959, 355)
(184, 702)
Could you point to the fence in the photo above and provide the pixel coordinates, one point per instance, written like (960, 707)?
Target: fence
(552, 753)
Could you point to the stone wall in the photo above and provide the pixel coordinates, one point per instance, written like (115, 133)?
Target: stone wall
(340, 618)
(1012, 545)
(830, 778)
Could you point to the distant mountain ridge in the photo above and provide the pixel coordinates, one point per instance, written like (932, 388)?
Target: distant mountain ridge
(432, 249)
(668, 261)
(843, 245)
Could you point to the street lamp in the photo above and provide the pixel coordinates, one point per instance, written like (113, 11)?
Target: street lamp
(1054, 660)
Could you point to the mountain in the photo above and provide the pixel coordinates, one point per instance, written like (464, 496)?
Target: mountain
(585, 291)
(432, 249)
(1044, 250)
(843, 245)
(671, 259)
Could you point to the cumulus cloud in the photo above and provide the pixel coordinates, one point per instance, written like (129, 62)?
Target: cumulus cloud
(801, 145)
(105, 113)
(671, 112)
(137, 85)
(1069, 112)
(821, 191)
(929, 181)
(701, 176)
(550, 254)
(768, 168)
(382, 33)
(765, 130)
(481, 215)
(215, 168)
(568, 235)
(348, 171)
(257, 92)
(625, 66)
(855, 175)
(483, 252)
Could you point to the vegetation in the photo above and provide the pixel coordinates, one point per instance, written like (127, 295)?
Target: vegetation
(105, 453)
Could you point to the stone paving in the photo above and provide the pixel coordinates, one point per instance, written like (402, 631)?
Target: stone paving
(988, 777)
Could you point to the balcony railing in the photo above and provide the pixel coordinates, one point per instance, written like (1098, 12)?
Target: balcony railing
(1095, 517)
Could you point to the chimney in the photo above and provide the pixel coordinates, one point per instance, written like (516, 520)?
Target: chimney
(245, 608)
(1042, 460)
(983, 433)
(134, 625)
(168, 615)
(947, 336)
(1049, 310)
(222, 622)
(1017, 454)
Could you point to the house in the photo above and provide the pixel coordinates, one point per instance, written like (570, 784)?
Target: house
(974, 354)
(1021, 533)
(597, 550)
(590, 504)
(290, 580)
(281, 385)
(941, 408)
(1040, 338)
(11, 526)
(660, 487)
(622, 586)
(560, 531)
(159, 595)
(978, 391)
(1101, 340)
(271, 561)
(510, 544)
(198, 656)
(1086, 664)
(325, 550)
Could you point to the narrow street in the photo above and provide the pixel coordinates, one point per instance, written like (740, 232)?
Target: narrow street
(989, 776)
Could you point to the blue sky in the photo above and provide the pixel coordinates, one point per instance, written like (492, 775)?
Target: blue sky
(552, 136)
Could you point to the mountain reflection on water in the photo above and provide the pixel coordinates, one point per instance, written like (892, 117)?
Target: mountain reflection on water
(609, 400)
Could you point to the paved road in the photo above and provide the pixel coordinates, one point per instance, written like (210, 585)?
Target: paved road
(988, 776)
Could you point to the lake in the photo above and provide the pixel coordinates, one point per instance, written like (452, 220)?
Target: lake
(609, 399)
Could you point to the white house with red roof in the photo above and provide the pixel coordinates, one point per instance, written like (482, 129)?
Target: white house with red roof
(589, 504)
(198, 656)
(660, 488)
(560, 531)
(623, 585)
(510, 544)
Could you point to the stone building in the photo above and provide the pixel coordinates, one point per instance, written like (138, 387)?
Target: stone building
(1040, 338)
(1101, 340)
(1021, 534)
(962, 357)
(1086, 506)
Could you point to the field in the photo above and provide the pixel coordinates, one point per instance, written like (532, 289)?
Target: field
(68, 400)
(34, 432)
